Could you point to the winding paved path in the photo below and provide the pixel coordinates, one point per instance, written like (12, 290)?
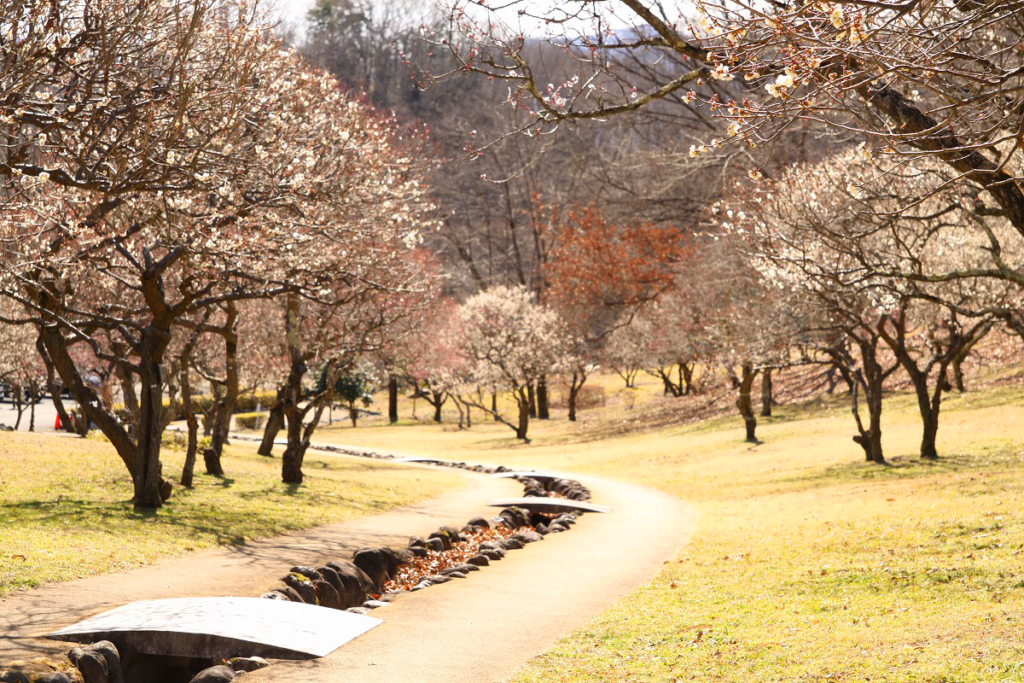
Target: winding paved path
(476, 630)
(484, 628)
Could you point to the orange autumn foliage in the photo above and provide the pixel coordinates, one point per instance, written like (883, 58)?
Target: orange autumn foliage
(597, 262)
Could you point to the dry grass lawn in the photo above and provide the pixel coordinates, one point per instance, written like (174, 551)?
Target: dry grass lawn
(65, 508)
(808, 565)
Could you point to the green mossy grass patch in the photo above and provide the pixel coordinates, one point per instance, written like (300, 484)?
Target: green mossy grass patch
(65, 509)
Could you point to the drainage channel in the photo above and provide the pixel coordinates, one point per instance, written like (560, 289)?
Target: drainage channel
(315, 610)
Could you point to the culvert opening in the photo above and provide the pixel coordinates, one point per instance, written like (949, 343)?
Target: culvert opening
(143, 668)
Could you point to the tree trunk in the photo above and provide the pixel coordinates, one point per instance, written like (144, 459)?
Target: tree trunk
(574, 391)
(141, 454)
(930, 432)
(225, 408)
(353, 413)
(872, 379)
(66, 423)
(958, 375)
(875, 432)
(149, 489)
(188, 469)
(214, 422)
(295, 451)
(212, 462)
(494, 405)
(275, 421)
(686, 378)
(51, 386)
(532, 398)
(766, 393)
(438, 403)
(523, 399)
(543, 412)
(127, 382)
(209, 414)
(929, 407)
(670, 387)
(393, 399)
(870, 439)
(745, 403)
(81, 422)
(218, 437)
(299, 435)
(19, 403)
(33, 395)
(861, 438)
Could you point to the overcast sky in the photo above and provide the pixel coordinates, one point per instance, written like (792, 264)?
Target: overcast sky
(290, 11)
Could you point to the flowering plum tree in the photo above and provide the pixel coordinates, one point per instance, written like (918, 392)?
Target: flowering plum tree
(625, 350)
(511, 342)
(434, 363)
(163, 158)
(426, 355)
(939, 79)
(838, 234)
(332, 335)
(746, 323)
(685, 323)
(908, 79)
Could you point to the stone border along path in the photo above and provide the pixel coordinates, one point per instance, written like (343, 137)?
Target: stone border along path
(474, 631)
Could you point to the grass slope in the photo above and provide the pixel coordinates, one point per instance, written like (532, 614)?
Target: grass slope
(807, 565)
(65, 510)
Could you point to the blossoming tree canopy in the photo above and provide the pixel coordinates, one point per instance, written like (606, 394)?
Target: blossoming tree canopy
(160, 157)
(840, 234)
(511, 342)
(333, 335)
(939, 79)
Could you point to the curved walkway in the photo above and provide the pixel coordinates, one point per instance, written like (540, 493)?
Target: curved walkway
(484, 628)
(245, 570)
(477, 630)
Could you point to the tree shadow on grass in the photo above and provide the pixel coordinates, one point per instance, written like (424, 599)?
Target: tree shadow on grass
(904, 467)
(141, 513)
(278, 489)
(110, 518)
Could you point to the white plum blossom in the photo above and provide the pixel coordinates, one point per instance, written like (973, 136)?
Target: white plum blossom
(837, 16)
(721, 73)
(510, 342)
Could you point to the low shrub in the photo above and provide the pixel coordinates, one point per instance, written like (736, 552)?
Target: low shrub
(249, 420)
(177, 440)
(250, 402)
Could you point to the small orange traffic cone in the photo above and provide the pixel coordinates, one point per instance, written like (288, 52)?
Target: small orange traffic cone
(57, 425)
